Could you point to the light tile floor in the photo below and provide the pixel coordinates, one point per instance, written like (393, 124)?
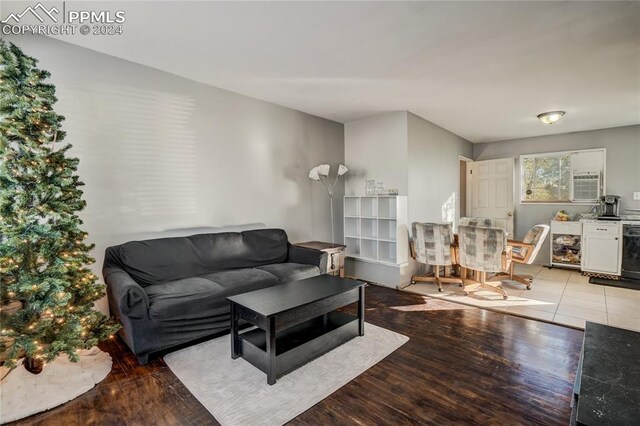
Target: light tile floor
(568, 296)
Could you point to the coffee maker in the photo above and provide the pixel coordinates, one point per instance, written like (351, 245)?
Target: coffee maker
(609, 208)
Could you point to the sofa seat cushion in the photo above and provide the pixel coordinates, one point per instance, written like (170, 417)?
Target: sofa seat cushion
(182, 299)
(236, 281)
(287, 272)
(197, 297)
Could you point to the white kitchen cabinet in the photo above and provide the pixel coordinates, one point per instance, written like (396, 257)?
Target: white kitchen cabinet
(602, 248)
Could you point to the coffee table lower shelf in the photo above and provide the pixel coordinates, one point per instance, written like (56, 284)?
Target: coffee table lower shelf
(300, 344)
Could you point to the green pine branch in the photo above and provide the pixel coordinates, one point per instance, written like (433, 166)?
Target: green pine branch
(43, 253)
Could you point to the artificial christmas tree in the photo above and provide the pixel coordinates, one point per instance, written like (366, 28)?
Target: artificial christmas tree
(43, 254)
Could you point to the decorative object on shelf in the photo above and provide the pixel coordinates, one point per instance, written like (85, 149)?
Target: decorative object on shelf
(550, 117)
(370, 187)
(43, 255)
(320, 173)
(562, 216)
(379, 187)
(388, 192)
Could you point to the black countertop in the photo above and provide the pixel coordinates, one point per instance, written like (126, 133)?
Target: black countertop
(610, 378)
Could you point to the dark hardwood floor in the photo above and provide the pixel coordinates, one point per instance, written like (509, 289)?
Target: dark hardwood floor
(461, 365)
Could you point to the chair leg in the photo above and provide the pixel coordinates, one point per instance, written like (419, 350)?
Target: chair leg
(488, 286)
(482, 283)
(422, 279)
(511, 276)
(438, 278)
(468, 282)
(500, 277)
(523, 280)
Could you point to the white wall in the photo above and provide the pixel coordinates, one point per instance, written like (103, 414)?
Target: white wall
(623, 169)
(159, 152)
(376, 148)
(413, 155)
(434, 152)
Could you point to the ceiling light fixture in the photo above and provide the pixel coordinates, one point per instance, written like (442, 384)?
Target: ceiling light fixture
(550, 117)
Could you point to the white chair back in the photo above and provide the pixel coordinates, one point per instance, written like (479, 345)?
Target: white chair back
(536, 237)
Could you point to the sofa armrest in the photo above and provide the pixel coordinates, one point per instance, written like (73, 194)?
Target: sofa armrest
(308, 256)
(125, 295)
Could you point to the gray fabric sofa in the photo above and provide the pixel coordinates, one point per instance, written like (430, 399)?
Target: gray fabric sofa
(169, 291)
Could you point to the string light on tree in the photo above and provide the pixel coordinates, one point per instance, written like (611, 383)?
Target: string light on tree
(43, 256)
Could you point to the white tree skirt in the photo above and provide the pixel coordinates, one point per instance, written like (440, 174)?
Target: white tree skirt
(23, 394)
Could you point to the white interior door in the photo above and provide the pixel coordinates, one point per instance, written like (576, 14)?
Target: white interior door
(490, 191)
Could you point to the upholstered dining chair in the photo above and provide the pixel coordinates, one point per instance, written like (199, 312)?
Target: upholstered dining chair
(476, 221)
(524, 252)
(482, 250)
(433, 245)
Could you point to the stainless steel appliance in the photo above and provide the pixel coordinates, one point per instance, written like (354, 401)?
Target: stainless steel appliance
(631, 251)
(609, 208)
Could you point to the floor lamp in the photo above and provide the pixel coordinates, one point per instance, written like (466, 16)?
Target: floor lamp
(320, 173)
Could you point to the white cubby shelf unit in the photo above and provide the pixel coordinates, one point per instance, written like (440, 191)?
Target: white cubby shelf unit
(375, 229)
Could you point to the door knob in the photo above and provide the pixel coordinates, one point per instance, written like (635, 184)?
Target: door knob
(509, 214)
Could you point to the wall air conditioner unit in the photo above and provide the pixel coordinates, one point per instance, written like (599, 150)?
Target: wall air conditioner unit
(585, 186)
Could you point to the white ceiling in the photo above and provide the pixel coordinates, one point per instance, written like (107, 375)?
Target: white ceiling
(482, 70)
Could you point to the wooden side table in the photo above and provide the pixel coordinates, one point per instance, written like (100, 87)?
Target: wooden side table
(335, 265)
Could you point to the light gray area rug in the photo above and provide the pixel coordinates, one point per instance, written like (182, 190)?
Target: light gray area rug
(236, 393)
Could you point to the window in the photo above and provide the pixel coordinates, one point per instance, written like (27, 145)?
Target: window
(559, 177)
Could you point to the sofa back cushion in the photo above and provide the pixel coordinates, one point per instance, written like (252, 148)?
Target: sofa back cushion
(166, 259)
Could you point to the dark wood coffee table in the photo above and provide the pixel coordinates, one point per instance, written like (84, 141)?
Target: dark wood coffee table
(296, 322)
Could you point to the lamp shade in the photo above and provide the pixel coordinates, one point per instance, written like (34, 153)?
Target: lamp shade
(323, 169)
(313, 174)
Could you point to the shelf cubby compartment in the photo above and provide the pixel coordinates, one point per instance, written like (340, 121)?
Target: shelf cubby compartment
(351, 206)
(353, 246)
(369, 228)
(351, 227)
(369, 206)
(298, 344)
(375, 229)
(387, 207)
(387, 229)
(386, 251)
(566, 249)
(565, 244)
(369, 249)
